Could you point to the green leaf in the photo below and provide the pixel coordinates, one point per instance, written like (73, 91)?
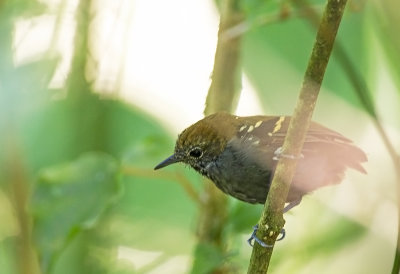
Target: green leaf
(386, 21)
(22, 8)
(275, 64)
(207, 258)
(324, 238)
(69, 198)
(341, 233)
(244, 216)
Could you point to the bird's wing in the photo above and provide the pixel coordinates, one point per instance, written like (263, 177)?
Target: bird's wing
(271, 132)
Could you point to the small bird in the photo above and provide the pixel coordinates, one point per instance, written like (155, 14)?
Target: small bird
(239, 154)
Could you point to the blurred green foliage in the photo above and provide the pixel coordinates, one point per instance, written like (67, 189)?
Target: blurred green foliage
(286, 45)
(385, 17)
(62, 161)
(69, 198)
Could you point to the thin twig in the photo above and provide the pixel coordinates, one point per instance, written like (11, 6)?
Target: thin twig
(265, 19)
(15, 172)
(271, 221)
(162, 174)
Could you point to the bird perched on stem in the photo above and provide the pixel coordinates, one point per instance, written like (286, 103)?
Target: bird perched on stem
(239, 154)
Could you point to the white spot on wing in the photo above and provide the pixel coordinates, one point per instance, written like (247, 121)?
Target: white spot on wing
(242, 128)
(250, 129)
(258, 124)
(278, 124)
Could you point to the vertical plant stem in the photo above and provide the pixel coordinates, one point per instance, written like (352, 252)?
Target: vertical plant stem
(13, 172)
(226, 76)
(26, 260)
(363, 93)
(222, 96)
(77, 84)
(271, 221)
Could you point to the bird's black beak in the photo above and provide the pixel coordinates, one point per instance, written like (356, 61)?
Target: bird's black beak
(169, 161)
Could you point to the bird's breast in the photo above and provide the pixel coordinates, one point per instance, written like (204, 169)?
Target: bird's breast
(241, 176)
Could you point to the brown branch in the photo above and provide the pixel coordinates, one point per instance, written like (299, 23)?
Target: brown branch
(16, 175)
(284, 14)
(226, 77)
(271, 221)
(77, 84)
(222, 96)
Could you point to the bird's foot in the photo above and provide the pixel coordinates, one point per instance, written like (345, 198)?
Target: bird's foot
(256, 239)
(278, 154)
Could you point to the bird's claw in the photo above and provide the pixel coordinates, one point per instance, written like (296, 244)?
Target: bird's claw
(283, 235)
(256, 239)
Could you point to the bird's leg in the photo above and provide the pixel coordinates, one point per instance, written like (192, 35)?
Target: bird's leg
(282, 233)
(255, 238)
(278, 154)
(291, 205)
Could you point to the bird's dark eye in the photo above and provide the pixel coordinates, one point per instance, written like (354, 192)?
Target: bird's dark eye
(196, 152)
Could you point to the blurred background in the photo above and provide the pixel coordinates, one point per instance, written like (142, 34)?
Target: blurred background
(93, 94)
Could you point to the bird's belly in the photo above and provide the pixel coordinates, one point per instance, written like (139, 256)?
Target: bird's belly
(248, 183)
(248, 178)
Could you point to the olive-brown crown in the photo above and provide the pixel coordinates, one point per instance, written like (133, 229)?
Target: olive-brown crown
(205, 140)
